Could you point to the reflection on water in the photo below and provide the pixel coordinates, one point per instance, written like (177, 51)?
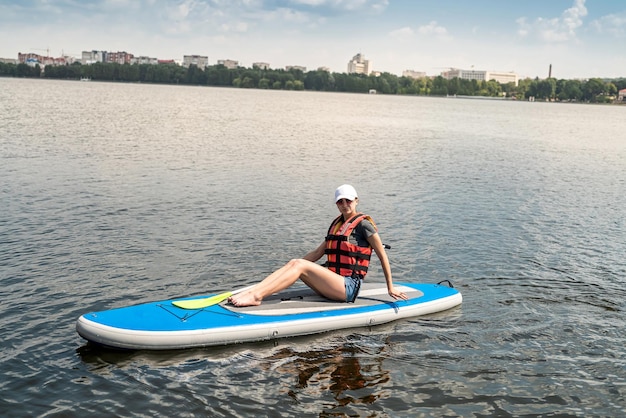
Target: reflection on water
(337, 370)
(327, 374)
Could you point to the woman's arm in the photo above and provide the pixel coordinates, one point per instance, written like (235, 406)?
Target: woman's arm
(379, 249)
(316, 254)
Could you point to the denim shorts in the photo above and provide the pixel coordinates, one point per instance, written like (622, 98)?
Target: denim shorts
(353, 285)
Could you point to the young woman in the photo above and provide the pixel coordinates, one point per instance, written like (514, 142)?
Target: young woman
(351, 238)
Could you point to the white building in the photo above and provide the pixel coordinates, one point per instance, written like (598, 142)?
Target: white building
(91, 57)
(503, 78)
(261, 65)
(295, 67)
(144, 60)
(230, 64)
(413, 74)
(199, 61)
(464, 74)
(480, 75)
(359, 65)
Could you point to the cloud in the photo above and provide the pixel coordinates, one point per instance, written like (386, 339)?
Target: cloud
(240, 27)
(284, 15)
(558, 29)
(433, 29)
(613, 24)
(347, 5)
(402, 33)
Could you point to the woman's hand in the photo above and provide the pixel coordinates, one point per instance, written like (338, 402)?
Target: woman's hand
(397, 295)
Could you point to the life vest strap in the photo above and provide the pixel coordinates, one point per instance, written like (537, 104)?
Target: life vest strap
(339, 251)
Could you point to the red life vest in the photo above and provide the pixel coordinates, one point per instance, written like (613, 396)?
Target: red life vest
(345, 258)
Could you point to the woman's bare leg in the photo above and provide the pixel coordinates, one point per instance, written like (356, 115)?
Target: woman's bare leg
(318, 278)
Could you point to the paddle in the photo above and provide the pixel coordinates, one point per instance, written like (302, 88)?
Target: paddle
(206, 302)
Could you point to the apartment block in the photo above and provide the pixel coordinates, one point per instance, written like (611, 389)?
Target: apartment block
(230, 64)
(199, 61)
(91, 57)
(144, 60)
(359, 65)
(121, 57)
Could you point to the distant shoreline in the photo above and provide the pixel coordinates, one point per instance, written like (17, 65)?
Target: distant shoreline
(547, 90)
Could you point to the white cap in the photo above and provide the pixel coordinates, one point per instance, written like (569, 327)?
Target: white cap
(345, 192)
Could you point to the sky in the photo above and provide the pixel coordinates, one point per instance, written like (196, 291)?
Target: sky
(579, 38)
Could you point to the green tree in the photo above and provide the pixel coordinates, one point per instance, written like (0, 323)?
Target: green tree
(620, 83)
(569, 90)
(493, 88)
(509, 89)
(405, 85)
(523, 89)
(8, 69)
(219, 75)
(543, 89)
(611, 89)
(423, 85)
(440, 86)
(593, 88)
(247, 83)
(24, 70)
(318, 80)
(454, 86)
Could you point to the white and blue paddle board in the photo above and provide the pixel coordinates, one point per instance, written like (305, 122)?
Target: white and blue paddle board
(292, 312)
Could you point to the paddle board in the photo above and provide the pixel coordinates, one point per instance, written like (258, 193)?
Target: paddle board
(292, 312)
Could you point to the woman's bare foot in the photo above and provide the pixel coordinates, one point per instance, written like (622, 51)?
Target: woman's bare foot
(244, 299)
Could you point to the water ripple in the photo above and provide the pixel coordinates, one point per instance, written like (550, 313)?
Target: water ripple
(102, 207)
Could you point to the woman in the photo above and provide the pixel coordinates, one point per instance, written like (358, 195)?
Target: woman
(351, 238)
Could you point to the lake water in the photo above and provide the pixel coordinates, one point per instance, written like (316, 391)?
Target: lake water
(117, 194)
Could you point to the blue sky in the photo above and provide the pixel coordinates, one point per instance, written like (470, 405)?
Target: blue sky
(580, 38)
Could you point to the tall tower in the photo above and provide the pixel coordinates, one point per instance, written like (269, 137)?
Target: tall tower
(359, 65)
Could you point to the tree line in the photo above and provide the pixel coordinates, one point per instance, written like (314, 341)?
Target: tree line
(593, 90)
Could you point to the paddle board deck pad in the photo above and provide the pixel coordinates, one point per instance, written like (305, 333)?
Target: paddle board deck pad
(292, 312)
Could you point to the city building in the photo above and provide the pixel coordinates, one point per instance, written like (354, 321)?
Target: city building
(230, 64)
(295, 67)
(30, 58)
(621, 95)
(261, 65)
(503, 77)
(199, 61)
(359, 65)
(464, 74)
(91, 57)
(144, 60)
(413, 74)
(122, 57)
(480, 75)
(33, 59)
